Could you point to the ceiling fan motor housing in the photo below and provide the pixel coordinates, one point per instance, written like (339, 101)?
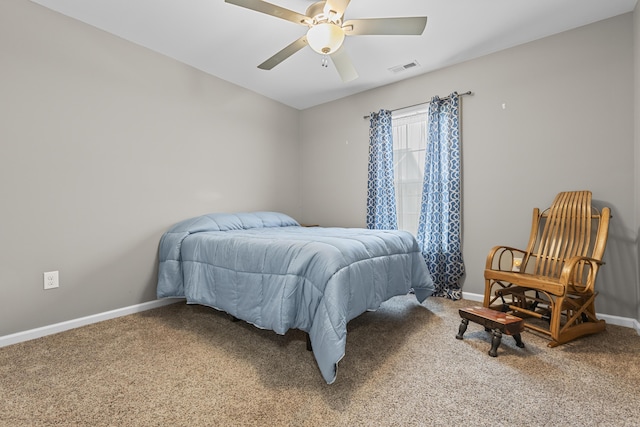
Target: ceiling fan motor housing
(325, 35)
(316, 11)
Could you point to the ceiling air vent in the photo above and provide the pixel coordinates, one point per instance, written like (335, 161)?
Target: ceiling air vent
(404, 67)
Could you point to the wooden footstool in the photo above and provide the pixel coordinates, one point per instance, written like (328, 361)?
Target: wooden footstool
(497, 322)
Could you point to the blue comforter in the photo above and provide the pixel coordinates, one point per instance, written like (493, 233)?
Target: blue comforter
(266, 269)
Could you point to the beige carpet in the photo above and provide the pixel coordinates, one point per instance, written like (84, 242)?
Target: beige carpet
(183, 365)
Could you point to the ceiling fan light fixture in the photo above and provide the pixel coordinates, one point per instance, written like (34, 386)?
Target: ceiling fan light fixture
(325, 38)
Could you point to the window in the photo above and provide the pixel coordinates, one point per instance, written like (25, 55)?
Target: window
(409, 146)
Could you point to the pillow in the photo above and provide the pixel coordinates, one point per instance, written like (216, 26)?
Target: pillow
(233, 221)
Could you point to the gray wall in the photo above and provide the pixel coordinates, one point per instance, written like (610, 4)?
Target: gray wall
(636, 51)
(567, 124)
(103, 146)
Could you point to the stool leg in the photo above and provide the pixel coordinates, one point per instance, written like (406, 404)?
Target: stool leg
(462, 329)
(518, 339)
(495, 343)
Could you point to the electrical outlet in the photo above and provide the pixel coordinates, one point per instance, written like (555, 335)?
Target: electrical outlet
(517, 262)
(51, 280)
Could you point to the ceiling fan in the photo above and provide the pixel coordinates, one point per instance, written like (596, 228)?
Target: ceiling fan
(327, 31)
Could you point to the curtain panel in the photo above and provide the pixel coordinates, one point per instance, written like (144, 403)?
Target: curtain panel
(381, 197)
(440, 224)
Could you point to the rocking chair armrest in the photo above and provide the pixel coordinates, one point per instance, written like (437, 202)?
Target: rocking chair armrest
(497, 252)
(569, 272)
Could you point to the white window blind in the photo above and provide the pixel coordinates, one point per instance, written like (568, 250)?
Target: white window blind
(409, 146)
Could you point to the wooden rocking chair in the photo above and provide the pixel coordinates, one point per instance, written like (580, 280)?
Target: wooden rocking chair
(551, 283)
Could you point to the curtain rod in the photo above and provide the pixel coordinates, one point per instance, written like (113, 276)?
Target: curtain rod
(426, 102)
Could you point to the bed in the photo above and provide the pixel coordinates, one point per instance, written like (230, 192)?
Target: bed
(268, 270)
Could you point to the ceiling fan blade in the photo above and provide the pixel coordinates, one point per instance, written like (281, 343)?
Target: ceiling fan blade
(271, 9)
(337, 6)
(343, 64)
(385, 26)
(284, 53)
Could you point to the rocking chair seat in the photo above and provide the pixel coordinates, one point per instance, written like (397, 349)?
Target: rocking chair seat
(544, 283)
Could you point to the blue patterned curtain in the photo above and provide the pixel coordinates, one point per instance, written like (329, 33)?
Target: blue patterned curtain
(439, 227)
(381, 197)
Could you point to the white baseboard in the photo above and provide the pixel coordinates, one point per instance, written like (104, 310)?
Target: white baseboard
(472, 297)
(613, 320)
(76, 323)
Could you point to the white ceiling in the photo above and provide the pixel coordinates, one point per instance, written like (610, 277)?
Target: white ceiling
(229, 42)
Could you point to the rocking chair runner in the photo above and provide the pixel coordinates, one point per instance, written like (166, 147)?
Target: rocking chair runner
(555, 279)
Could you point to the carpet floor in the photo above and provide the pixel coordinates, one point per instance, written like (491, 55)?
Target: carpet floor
(188, 365)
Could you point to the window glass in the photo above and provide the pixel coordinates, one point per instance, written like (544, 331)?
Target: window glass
(409, 145)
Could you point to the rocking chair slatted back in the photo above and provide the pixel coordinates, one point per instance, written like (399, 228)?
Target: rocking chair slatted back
(562, 231)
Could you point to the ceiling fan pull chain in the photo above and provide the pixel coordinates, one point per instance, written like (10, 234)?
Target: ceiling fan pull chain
(325, 61)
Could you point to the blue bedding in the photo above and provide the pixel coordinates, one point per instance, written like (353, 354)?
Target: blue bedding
(265, 269)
